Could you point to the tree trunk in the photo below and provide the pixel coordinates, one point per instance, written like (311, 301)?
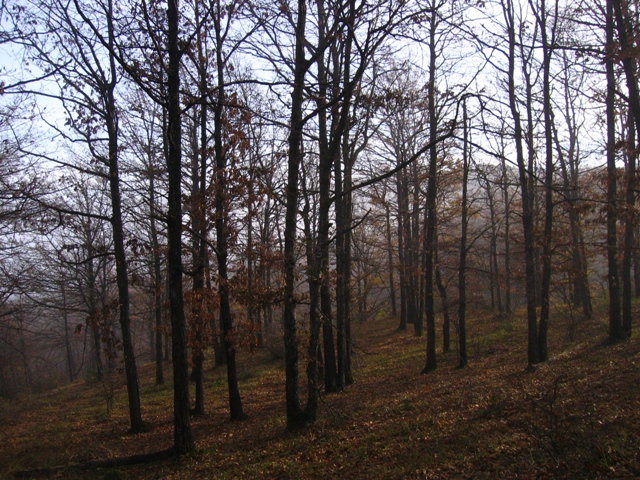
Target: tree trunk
(414, 252)
(325, 164)
(157, 277)
(615, 318)
(629, 231)
(636, 265)
(507, 240)
(222, 229)
(446, 316)
(295, 416)
(430, 210)
(526, 194)
(199, 223)
(545, 288)
(183, 439)
(401, 254)
(462, 282)
(392, 287)
(313, 275)
(628, 46)
(122, 278)
(67, 339)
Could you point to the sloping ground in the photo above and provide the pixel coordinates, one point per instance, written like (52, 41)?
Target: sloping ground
(576, 416)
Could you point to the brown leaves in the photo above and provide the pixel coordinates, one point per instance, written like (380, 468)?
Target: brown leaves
(575, 417)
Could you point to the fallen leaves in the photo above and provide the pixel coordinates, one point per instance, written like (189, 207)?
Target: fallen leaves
(488, 420)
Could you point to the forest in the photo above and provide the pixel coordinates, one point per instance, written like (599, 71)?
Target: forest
(208, 202)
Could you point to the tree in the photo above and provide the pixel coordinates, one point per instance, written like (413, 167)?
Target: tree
(526, 183)
(624, 26)
(430, 201)
(462, 293)
(295, 414)
(221, 203)
(541, 16)
(569, 158)
(145, 138)
(183, 438)
(88, 77)
(615, 319)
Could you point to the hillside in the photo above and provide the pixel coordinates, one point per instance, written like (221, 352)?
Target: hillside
(576, 416)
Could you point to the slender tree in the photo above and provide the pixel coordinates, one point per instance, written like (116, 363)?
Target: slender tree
(462, 281)
(615, 318)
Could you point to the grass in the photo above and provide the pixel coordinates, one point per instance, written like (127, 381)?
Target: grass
(576, 416)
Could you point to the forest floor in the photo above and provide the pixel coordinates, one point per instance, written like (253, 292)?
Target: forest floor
(576, 416)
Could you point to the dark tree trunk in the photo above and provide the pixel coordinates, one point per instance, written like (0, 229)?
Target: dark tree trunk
(414, 252)
(222, 228)
(545, 288)
(401, 254)
(122, 278)
(313, 275)
(92, 306)
(67, 336)
(199, 222)
(627, 42)
(615, 316)
(629, 232)
(507, 240)
(183, 439)
(636, 265)
(446, 316)
(496, 298)
(340, 272)
(430, 210)
(322, 249)
(197, 300)
(526, 193)
(295, 416)
(157, 277)
(349, 160)
(392, 287)
(407, 254)
(462, 269)
(344, 156)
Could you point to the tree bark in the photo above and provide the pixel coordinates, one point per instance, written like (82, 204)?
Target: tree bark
(615, 317)
(628, 48)
(526, 194)
(122, 278)
(295, 416)
(462, 269)
(545, 287)
(183, 439)
(157, 277)
(390, 265)
(446, 316)
(325, 163)
(222, 227)
(430, 210)
(400, 182)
